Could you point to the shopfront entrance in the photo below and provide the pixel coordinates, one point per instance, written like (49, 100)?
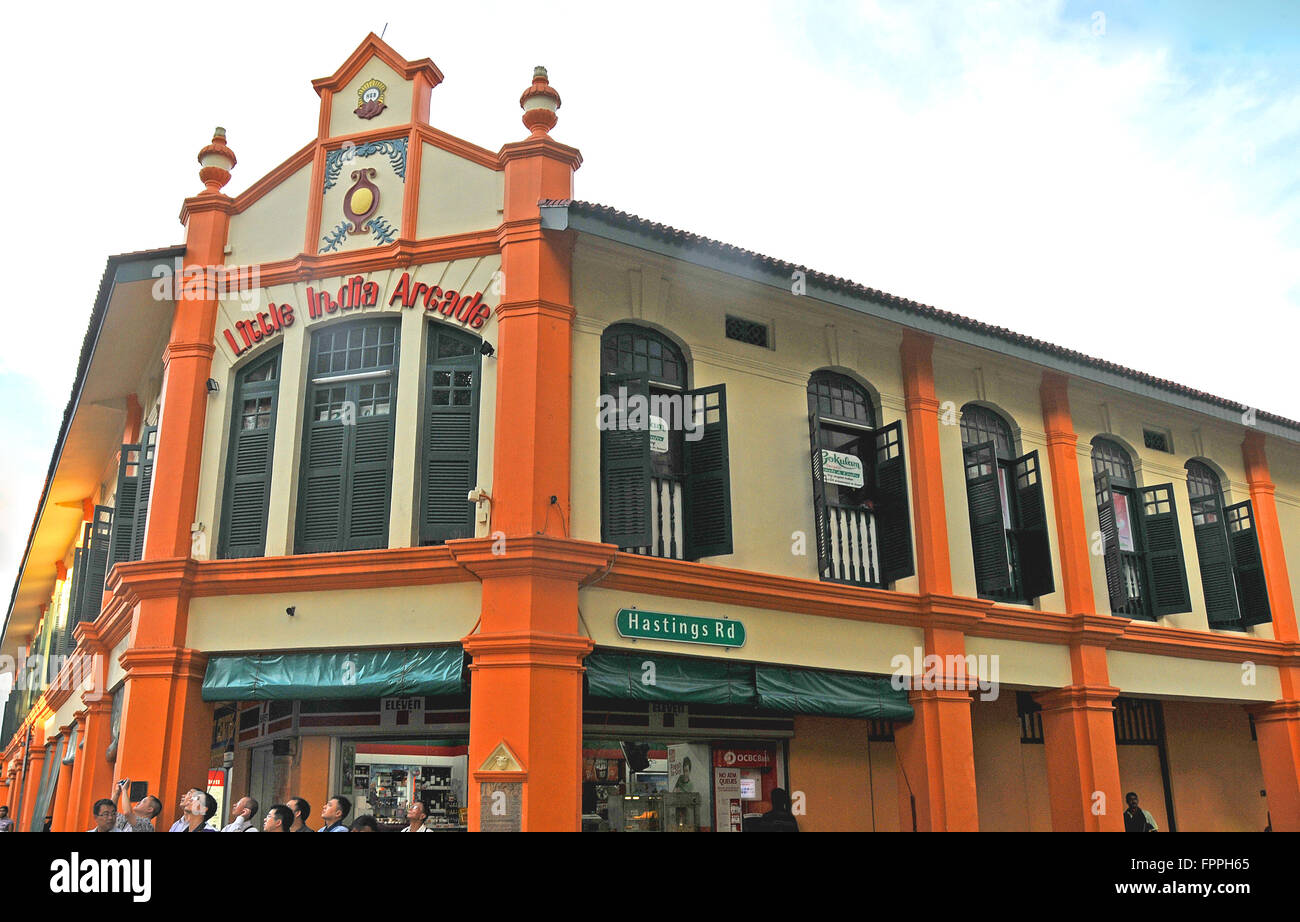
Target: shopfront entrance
(684, 744)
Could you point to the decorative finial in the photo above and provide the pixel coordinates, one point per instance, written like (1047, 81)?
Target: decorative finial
(539, 103)
(216, 161)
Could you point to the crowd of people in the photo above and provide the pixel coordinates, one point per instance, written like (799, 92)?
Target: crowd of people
(198, 807)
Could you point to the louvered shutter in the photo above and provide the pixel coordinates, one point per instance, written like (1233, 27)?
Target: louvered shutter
(1215, 558)
(74, 597)
(1110, 542)
(451, 407)
(1247, 564)
(821, 518)
(1163, 551)
(893, 515)
(1031, 535)
(128, 489)
(625, 466)
(97, 563)
(248, 470)
(988, 533)
(320, 501)
(140, 515)
(371, 482)
(708, 475)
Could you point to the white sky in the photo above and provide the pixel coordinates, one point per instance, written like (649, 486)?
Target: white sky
(1125, 186)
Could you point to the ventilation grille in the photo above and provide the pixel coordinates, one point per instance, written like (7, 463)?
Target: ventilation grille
(747, 331)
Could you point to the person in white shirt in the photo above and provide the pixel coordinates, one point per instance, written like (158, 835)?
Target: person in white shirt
(416, 817)
(242, 816)
(105, 817)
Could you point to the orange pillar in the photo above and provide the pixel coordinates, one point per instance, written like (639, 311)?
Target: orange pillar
(59, 803)
(526, 694)
(1269, 532)
(1078, 723)
(64, 821)
(165, 726)
(32, 783)
(936, 751)
(1277, 726)
(929, 520)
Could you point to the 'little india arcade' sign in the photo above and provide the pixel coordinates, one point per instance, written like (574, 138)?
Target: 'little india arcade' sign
(355, 293)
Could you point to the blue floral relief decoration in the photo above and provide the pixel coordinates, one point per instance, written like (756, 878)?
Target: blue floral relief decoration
(395, 148)
(383, 231)
(334, 239)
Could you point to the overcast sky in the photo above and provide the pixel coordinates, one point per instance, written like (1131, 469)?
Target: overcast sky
(1118, 177)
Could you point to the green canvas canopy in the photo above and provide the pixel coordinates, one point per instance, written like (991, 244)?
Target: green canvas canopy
(337, 674)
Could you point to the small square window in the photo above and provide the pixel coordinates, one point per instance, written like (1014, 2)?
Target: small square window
(747, 331)
(1157, 439)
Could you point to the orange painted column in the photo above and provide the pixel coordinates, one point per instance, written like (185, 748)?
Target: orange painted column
(526, 693)
(1269, 532)
(59, 803)
(165, 726)
(1277, 726)
(64, 821)
(929, 519)
(936, 750)
(32, 783)
(1078, 723)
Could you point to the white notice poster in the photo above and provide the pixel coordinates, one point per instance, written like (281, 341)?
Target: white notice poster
(658, 435)
(841, 469)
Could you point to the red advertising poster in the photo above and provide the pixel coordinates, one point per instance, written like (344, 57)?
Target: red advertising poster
(217, 788)
(1123, 524)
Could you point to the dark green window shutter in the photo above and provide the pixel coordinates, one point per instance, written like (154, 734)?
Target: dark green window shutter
(1110, 542)
(1247, 564)
(372, 482)
(320, 504)
(97, 563)
(128, 489)
(148, 451)
(821, 516)
(987, 532)
(248, 468)
(625, 467)
(707, 522)
(74, 597)
(451, 407)
(345, 481)
(1031, 535)
(893, 516)
(1163, 551)
(1215, 558)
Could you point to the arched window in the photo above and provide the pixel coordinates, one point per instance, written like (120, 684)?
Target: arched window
(860, 509)
(248, 467)
(1142, 545)
(1232, 573)
(450, 449)
(1008, 519)
(347, 462)
(665, 472)
(1112, 459)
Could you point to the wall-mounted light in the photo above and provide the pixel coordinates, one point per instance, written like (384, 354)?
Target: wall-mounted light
(291, 610)
(487, 349)
(213, 387)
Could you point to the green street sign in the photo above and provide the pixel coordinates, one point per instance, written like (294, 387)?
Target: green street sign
(653, 625)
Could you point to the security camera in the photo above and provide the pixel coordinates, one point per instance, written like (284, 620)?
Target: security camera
(478, 495)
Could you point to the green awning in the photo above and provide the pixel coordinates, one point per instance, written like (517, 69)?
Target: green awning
(833, 694)
(651, 677)
(349, 674)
